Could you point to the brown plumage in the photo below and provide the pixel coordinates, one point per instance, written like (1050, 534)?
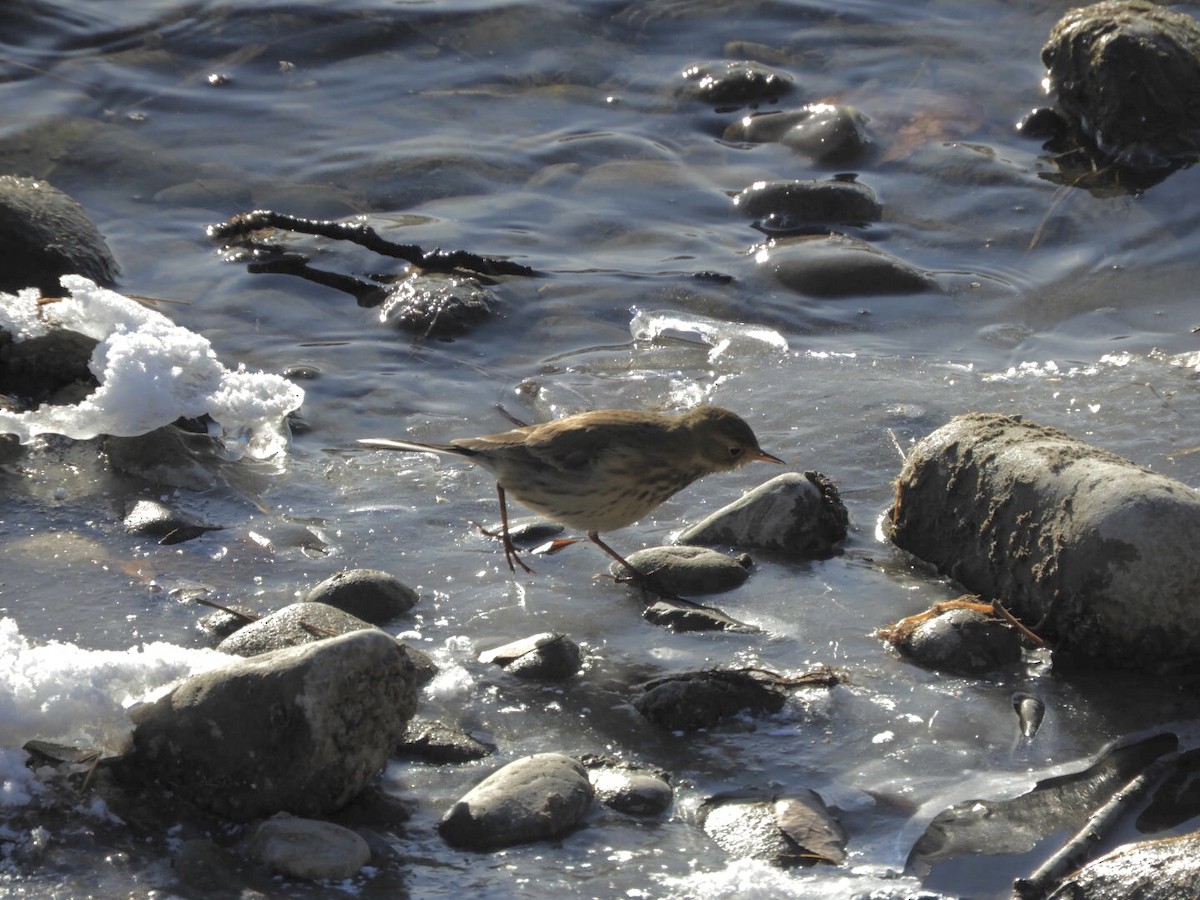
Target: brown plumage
(601, 470)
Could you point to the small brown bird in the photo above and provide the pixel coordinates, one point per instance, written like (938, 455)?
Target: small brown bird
(601, 470)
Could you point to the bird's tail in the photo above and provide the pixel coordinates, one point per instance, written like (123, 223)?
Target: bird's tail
(413, 446)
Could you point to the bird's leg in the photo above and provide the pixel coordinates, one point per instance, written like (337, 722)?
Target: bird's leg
(510, 550)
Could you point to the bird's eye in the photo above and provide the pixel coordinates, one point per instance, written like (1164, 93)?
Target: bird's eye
(735, 452)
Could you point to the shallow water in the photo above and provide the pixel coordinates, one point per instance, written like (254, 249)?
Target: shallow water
(553, 133)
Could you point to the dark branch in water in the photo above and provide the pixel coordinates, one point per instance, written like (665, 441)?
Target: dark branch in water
(447, 261)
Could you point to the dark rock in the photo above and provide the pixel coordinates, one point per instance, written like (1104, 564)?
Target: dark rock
(300, 730)
(679, 615)
(167, 457)
(369, 594)
(532, 799)
(633, 790)
(437, 306)
(308, 849)
(211, 870)
(811, 202)
(297, 623)
(835, 265)
(44, 234)
(1127, 74)
(683, 570)
(1095, 549)
(963, 642)
(548, 656)
(800, 515)
(220, 624)
(425, 667)
(439, 743)
(1030, 712)
(52, 368)
(693, 700)
(170, 526)
(731, 84)
(826, 133)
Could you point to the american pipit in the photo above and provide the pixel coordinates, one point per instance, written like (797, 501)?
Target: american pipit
(601, 470)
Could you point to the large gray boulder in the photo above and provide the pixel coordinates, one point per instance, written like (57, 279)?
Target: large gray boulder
(300, 730)
(1096, 553)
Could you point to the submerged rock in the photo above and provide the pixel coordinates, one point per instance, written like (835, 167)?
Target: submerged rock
(730, 84)
(1095, 549)
(437, 742)
(800, 515)
(437, 306)
(627, 788)
(532, 799)
(309, 849)
(825, 133)
(832, 266)
(834, 201)
(688, 701)
(1127, 74)
(300, 730)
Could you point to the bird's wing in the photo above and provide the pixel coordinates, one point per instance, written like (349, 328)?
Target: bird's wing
(575, 447)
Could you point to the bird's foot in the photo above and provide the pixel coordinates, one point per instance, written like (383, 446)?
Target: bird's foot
(511, 554)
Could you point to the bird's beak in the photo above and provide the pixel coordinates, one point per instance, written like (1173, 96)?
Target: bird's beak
(764, 456)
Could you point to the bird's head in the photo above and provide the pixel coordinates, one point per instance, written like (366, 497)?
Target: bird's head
(723, 440)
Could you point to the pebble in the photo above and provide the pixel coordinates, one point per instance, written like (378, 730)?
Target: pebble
(685, 570)
(549, 656)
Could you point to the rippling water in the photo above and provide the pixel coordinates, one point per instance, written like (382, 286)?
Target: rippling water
(556, 134)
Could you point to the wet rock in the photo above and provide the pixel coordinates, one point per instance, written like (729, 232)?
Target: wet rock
(369, 594)
(532, 799)
(437, 742)
(549, 656)
(730, 84)
(692, 700)
(835, 265)
(630, 789)
(785, 830)
(167, 457)
(810, 202)
(800, 515)
(437, 306)
(963, 642)
(297, 623)
(169, 525)
(1127, 74)
(44, 234)
(220, 624)
(1095, 549)
(682, 616)
(53, 368)
(685, 570)
(203, 866)
(308, 848)
(1059, 804)
(826, 133)
(300, 730)
(1147, 870)
(422, 662)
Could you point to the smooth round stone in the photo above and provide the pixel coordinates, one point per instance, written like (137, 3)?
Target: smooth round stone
(965, 642)
(835, 201)
(834, 266)
(631, 791)
(309, 849)
(369, 594)
(732, 83)
(686, 570)
(531, 799)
